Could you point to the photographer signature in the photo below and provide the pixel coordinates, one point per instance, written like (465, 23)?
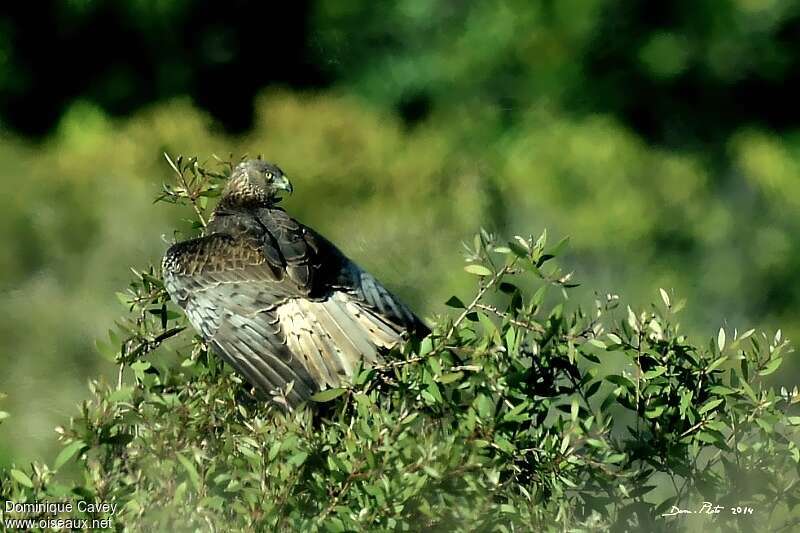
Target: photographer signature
(709, 508)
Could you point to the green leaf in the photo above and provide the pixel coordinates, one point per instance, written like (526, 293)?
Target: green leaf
(763, 424)
(686, 399)
(21, 477)
(574, 407)
(489, 327)
(721, 390)
(273, 450)
(560, 246)
(709, 405)
(109, 353)
(610, 398)
(425, 346)
(431, 472)
(597, 343)
(641, 490)
(435, 365)
(433, 391)
(328, 395)
(410, 418)
(746, 334)
(657, 371)
(617, 379)
(484, 406)
(543, 259)
(450, 377)
(538, 296)
(123, 394)
(721, 339)
(455, 302)
(716, 363)
(194, 477)
(504, 444)
(541, 241)
(590, 356)
(172, 163)
(712, 437)
(592, 389)
(478, 270)
(749, 391)
(140, 366)
(67, 453)
(298, 458)
(633, 321)
(664, 297)
(518, 249)
(771, 367)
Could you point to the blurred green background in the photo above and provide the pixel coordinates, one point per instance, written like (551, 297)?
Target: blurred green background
(663, 138)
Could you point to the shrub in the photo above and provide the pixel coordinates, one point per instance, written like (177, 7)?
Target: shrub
(519, 412)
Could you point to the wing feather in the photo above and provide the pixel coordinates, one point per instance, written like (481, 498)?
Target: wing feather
(283, 305)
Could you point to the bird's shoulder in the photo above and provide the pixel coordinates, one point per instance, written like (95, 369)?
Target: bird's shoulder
(211, 253)
(293, 235)
(268, 238)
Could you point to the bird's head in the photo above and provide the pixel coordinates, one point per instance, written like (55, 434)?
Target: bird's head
(255, 182)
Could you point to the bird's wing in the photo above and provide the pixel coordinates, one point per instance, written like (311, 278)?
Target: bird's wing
(231, 294)
(363, 290)
(286, 306)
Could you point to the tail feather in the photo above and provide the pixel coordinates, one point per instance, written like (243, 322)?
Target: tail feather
(335, 319)
(334, 335)
(379, 331)
(303, 339)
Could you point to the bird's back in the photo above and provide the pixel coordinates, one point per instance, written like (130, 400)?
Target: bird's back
(281, 303)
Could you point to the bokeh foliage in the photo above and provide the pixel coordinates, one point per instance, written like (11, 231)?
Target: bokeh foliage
(663, 141)
(519, 412)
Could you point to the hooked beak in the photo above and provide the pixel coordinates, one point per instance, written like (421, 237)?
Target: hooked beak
(282, 183)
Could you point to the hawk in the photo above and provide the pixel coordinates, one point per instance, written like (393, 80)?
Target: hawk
(275, 299)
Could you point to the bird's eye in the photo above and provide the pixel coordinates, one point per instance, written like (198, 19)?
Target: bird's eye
(268, 175)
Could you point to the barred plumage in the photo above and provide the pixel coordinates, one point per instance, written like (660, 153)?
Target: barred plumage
(276, 300)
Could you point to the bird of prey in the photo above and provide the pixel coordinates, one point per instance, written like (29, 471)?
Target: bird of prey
(276, 300)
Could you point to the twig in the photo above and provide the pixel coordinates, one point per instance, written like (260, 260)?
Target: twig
(467, 310)
(471, 306)
(691, 429)
(193, 200)
(533, 326)
(189, 195)
(148, 345)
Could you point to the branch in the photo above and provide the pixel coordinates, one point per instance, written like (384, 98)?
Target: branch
(474, 303)
(190, 195)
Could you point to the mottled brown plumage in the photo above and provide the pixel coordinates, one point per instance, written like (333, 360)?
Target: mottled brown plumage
(275, 299)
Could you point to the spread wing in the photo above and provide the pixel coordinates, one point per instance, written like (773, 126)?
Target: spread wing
(283, 305)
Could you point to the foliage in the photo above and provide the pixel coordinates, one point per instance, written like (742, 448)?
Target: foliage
(663, 139)
(521, 412)
(682, 74)
(79, 210)
(679, 73)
